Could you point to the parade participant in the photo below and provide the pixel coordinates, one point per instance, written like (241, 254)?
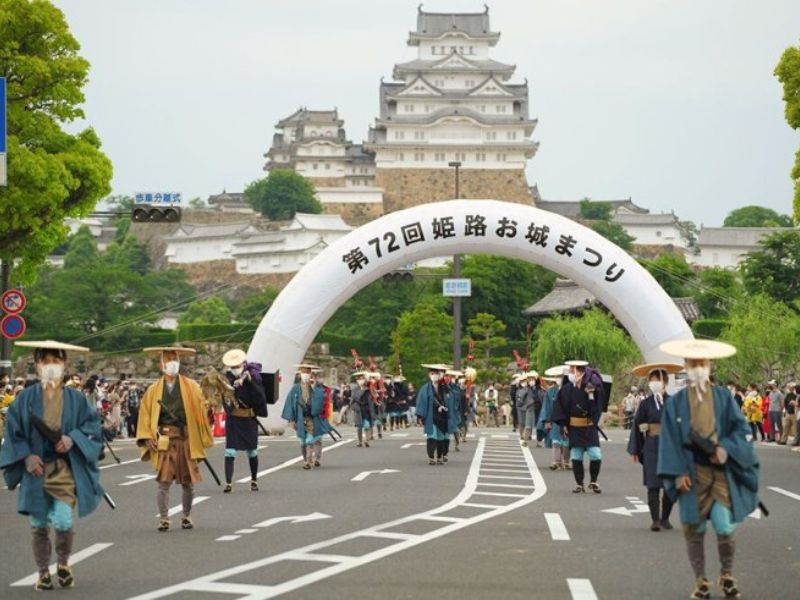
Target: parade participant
(50, 450)
(577, 412)
(513, 388)
(173, 432)
(327, 410)
(378, 393)
(458, 385)
(401, 398)
(438, 410)
(363, 408)
(645, 433)
(490, 398)
(751, 408)
(247, 402)
(525, 401)
(551, 432)
(304, 407)
(391, 406)
(706, 462)
(412, 406)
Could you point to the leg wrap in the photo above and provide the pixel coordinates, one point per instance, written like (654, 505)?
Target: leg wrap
(360, 435)
(229, 468)
(446, 446)
(577, 471)
(64, 546)
(652, 502)
(439, 448)
(695, 549)
(726, 546)
(594, 469)
(556, 454)
(253, 467)
(187, 498)
(162, 498)
(431, 447)
(41, 547)
(666, 506)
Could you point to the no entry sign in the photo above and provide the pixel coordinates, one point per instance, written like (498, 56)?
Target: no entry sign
(13, 301)
(12, 326)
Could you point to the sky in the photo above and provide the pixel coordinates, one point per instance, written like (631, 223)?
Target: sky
(670, 102)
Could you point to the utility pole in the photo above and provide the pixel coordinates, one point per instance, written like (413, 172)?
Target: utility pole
(457, 300)
(5, 348)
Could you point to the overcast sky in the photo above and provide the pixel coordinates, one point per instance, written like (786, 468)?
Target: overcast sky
(670, 102)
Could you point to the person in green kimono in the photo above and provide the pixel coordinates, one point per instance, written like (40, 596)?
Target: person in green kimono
(706, 462)
(50, 451)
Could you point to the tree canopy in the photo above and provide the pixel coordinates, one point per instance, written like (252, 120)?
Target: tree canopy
(211, 311)
(615, 233)
(774, 270)
(788, 73)
(486, 330)
(718, 290)
(422, 335)
(52, 174)
(595, 211)
(756, 216)
(282, 194)
(672, 272)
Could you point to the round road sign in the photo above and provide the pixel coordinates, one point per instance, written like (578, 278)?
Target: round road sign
(13, 301)
(12, 326)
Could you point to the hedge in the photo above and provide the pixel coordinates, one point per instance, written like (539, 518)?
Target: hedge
(709, 328)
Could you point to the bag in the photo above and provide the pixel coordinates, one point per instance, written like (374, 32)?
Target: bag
(271, 382)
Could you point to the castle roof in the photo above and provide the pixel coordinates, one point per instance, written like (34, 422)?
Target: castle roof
(738, 237)
(432, 25)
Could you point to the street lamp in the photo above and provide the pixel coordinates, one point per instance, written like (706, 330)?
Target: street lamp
(456, 274)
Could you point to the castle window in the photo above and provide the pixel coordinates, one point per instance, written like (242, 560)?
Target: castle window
(399, 135)
(483, 108)
(327, 166)
(501, 108)
(480, 156)
(491, 135)
(408, 107)
(501, 158)
(315, 166)
(511, 135)
(419, 135)
(439, 157)
(472, 50)
(401, 156)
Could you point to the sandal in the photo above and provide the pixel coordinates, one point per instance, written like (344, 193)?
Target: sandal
(702, 589)
(727, 583)
(228, 489)
(579, 489)
(45, 582)
(253, 486)
(64, 574)
(595, 488)
(186, 522)
(163, 525)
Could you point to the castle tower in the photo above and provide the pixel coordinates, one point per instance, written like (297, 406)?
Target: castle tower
(453, 103)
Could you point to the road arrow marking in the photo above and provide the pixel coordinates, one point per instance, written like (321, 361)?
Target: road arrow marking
(404, 446)
(364, 474)
(137, 479)
(638, 507)
(75, 558)
(316, 516)
(756, 514)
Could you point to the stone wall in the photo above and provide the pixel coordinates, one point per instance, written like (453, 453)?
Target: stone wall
(354, 213)
(409, 187)
(327, 181)
(215, 273)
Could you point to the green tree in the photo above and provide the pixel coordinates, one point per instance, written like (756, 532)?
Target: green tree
(211, 311)
(672, 272)
(756, 216)
(82, 250)
(252, 307)
(718, 291)
(197, 203)
(487, 331)
(595, 211)
(504, 287)
(766, 334)
(282, 194)
(774, 270)
(52, 174)
(788, 73)
(129, 254)
(423, 335)
(615, 233)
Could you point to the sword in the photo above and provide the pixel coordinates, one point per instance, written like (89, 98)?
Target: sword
(108, 445)
(204, 460)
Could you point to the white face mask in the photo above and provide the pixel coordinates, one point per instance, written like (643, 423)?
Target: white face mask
(172, 368)
(572, 378)
(524, 384)
(699, 375)
(304, 377)
(361, 382)
(656, 387)
(52, 373)
(237, 371)
(435, 377)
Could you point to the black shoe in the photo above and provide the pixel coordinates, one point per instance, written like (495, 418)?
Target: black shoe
(307, 466)
(439, 461)
(380, 436)
(253, 486)
(702, 589)
(316, 463)
(227, 489)
(554, 467)
(655, 526)
(366, 444)
(727, 584)
(665, 524)
(45, 582)
(64, 574)
(595, 488)
(359, 444)
(444, 459)
(186, 522)
(579, 489)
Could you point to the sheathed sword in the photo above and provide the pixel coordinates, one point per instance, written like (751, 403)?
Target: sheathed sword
(203, 460)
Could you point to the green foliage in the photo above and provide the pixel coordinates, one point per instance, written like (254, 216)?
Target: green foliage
(486, 329)
(504, 287)
(52, 174)
(766, 334)
(423, 335)
(756, 216)
(615, 233)
(595, 211)
(340, 345)
(197, 203)
(788, 73)
(775, 269)
(211, 311)
(719, 289)
(672, 272)
(689, 229)
(234, 333)
(82, 250)
(252, 307)
(709, 328)
(282, 194)
(593, 336)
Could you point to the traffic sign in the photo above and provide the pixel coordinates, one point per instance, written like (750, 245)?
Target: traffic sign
(13, 301)
(12, 326)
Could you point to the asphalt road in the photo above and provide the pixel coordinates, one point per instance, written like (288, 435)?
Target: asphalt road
(493, 522)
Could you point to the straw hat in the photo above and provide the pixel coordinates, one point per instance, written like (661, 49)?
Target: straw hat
(647, 368)
(555, 371)
(698, 349)
(398, 378)
(454, 373)
(358, 374)
(531, 375)
(435, 366)
(51, 345)
(234, 358)
(179, 350)
(306, 366)
(576, 363)
(374, 374)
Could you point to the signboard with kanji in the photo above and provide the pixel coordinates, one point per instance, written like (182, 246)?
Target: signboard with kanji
(457, 288)
(158, 198)
(12, 326)
(13, 301)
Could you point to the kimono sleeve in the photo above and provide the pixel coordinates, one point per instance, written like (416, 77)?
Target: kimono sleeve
(560, 414)
(671, 457)
(424, 401)
(87, 433)
(15, 445)
(290, 407)
(636, 440)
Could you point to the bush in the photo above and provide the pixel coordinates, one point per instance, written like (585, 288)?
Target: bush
(709, 328)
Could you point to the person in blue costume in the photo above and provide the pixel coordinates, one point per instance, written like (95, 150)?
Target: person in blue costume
(645, 433)
(53, 477)
(363, 408)
(437, 407)
(550, 431)
(706, 462)
(304, 407)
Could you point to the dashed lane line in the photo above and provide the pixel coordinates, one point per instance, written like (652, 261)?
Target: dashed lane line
(292, 461)
(558, 531)
(581, 589)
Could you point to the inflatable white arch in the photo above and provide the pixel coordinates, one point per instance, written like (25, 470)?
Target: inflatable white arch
(461, 227)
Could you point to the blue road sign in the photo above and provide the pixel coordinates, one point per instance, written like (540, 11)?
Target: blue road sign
(158, 198)
(12, 326)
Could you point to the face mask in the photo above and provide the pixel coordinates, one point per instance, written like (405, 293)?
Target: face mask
(304, 377)
(52, 373)
(524, 384)
(361, 382)
(237, 371)
(698, 374)
(656, 387)
(572, 378)
(435, 377)
(172, 367)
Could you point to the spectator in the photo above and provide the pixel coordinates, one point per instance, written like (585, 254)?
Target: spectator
(628, 407)
(752, 411)
(775, 412)
(132, 399)
(736, 394)
(765, 424)
(790, 420)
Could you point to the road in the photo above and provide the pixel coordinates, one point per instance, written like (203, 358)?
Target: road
(380, 522)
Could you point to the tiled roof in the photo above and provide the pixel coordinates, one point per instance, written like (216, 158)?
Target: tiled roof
(317, 223)
(431, 24)
(571, 208)
(625, 218)
(195, 231)
(737, 237)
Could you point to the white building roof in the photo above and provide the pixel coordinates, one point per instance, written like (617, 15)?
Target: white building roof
(317, 223)
(629, 218)
(737, 237)
(196, 231)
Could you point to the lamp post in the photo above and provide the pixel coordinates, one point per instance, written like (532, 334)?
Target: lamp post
(456, 300)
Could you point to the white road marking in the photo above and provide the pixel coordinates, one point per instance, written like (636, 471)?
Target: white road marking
(227, 538)
(786, 493)
(75, 558)
(138, 479)
(316, 516)
(581, 589)
(499, 494)
(756, 514)
(291, 462)
(558, 531)
(214, 582)
(505, 485)
(399, 435)
(124, 462)
(364, 474)
(500, 436)
(245, 531)
(404, 446)
(176, 509)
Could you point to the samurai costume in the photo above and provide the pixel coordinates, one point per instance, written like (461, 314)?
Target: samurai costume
(551, 432)
(69, 480)
(526, 398)
(643, 443)
(437, 406)
(392, 411)
(304, 407)
(401, 397)
(364, 413)
(241, 428)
